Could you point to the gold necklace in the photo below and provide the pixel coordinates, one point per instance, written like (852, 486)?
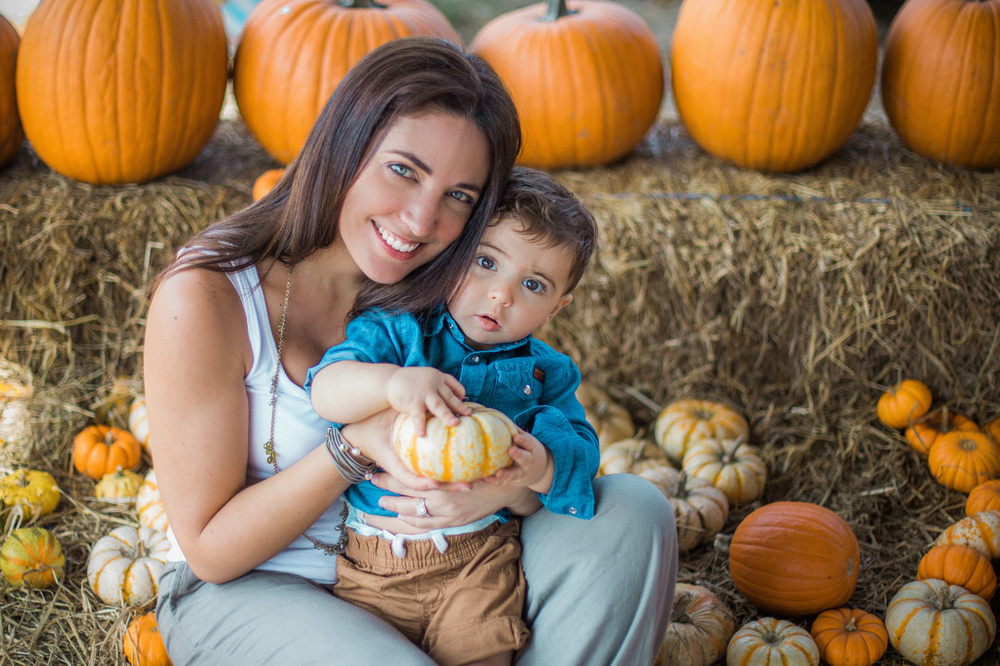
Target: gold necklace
(269, 444)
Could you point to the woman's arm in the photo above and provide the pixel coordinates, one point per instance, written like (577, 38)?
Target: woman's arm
(195, 359)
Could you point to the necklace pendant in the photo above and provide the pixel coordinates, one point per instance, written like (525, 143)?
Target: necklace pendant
(269, 450)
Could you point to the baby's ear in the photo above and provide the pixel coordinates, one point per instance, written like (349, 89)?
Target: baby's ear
(563, 302)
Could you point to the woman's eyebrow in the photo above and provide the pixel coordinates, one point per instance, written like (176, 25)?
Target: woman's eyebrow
(420, 164)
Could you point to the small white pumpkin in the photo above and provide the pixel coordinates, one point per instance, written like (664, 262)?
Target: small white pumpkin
(700, 509)
(611, 420)
(138, 421)
(731, 465)
(772, 641)
(685, 422)
(699, 630)
(149, 506)
(125, 565)
(932, 622)
(475, 448)
(630, 455)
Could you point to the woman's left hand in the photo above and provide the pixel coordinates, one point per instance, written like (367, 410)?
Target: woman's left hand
(451, 504)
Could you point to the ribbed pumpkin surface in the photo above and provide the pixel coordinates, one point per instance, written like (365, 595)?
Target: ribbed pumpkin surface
(794, 558)
(11, 134)
(293, 53)
(941, 80)
(475, 448)
(121, 91)
(32, 556)
(588, 86)
(774, 86)
(124, 566)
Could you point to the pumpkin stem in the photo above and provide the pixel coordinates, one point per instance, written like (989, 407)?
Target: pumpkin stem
(944, 597)
(681, 604)
(360, 4)
(851, 625)
(556, 10)
(22, 479)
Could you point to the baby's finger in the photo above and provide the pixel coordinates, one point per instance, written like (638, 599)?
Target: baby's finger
(440, 408)
(458, 389)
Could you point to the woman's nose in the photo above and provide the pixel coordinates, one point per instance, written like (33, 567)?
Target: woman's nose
(420, 215)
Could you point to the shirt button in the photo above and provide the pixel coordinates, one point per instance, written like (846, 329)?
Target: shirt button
(527, 389)
(572, 510)
(475, 359)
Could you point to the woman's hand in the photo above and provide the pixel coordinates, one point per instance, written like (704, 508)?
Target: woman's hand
(374, 437)
(452, 504)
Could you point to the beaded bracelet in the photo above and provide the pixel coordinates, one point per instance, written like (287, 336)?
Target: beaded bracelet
(351, 464)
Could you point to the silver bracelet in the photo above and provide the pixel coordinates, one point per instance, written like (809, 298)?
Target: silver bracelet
(350, 462)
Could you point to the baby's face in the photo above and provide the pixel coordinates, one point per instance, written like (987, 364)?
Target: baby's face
(514, 286)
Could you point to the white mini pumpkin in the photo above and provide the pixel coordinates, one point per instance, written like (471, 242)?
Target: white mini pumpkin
(149, 506)
(125, 565)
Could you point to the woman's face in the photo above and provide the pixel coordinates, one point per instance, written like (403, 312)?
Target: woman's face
(415, 194)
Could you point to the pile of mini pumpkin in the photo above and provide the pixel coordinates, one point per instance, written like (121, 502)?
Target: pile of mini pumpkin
(123, 566)
(960, 454)
(945, 613)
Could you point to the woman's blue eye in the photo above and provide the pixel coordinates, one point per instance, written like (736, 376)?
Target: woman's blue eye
(462, 196)
(402, 170)
(533, 285)
(485, 262)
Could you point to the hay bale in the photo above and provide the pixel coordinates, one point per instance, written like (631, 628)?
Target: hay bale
(797, 297)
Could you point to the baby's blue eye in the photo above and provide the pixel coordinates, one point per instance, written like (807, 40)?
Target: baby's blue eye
(533, 285)
(485, 262)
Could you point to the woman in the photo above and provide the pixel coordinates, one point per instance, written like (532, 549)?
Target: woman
(383, 207)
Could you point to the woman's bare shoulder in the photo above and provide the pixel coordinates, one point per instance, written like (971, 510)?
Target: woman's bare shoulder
(197, 309)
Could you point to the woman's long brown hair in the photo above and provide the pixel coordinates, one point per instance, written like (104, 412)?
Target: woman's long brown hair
(299, 216)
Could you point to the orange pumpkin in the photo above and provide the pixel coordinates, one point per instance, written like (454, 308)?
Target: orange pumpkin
(293, 53)
(992, 428)
(961, 460)
(265, 182)
(143, 644)
(923, 433)
(76, 57)
(32, 556)
(984, 497)
(586, 76)
(100, 450)
(849, 637)
(940, 74)
(11, 133)
(904, 403)
(774, 86)
(959, 565)
(794, 558)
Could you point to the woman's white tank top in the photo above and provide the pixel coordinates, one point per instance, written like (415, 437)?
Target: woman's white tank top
(297, 431)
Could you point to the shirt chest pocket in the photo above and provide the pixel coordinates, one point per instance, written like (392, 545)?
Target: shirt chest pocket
(519, 385)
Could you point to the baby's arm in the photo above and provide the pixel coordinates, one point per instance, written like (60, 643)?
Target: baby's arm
(349, 391)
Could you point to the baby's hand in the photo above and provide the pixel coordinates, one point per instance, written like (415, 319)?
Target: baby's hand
(532, 465)
(417, 390)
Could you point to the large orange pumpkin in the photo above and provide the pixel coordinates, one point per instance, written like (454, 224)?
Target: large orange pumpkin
(121, 91)
(774, 86)
(143, 645)
(293, 53)
(794, 558)
(941, 80)
(11, 134)
(586, 76)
